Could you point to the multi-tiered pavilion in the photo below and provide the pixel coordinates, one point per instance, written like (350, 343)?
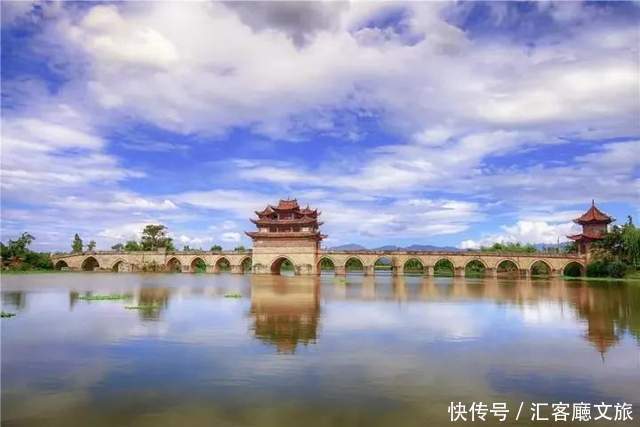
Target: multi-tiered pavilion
(594, 224)
(286, 232)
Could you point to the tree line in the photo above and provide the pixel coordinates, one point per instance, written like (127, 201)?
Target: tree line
(618, 253)
(16, 255)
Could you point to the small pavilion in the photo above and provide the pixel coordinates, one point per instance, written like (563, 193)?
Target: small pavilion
(594, 224)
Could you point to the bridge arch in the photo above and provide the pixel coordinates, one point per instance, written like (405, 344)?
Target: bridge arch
(116, 266)
(246, 265)
(61, 264)
(354, 264)
(90, 264)
(222, 265)
(198, 265)
(475, 267)
(507, 266)
(174, 265)
(326, 264)
(444, 267)
(280, 262)
(573, 269)
(413, 266)
(383, 263)
(540, 267)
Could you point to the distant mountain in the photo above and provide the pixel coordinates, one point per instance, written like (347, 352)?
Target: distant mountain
(388, 248)
(349, 247)
(430, 248)
(356, 247)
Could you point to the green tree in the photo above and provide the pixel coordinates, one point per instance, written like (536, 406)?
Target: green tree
(216, 248)
(38, 260)
(616, 252)
(155, 236)
(186, 248)
(354, 264)
(20, 247)
(91, 246)
(569, 248)
(326, 264)
(631, 243)
(4, 251)
(132, 246)
(17, 254)
(413, 265)
(239, 248)
(510, 247)
(77, 245)
(118, 247)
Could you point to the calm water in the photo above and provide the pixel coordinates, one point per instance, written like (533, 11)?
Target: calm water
(308, 351)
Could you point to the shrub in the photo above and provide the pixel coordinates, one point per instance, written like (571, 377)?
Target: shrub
(39, 260)
(597, 269)
(616, 269)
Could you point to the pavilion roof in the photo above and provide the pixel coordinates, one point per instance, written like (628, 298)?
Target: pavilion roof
(265, 211)
(309, 211)
(287, 205)
(594, 215)
(586, 236)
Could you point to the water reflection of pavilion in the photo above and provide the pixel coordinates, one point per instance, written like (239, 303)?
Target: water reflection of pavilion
(286, 311)
(607, 314)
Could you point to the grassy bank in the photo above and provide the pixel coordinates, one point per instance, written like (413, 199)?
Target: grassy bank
(633, 278)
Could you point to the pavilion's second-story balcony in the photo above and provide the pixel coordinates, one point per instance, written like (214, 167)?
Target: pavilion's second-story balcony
(290, 222)
(278, 234)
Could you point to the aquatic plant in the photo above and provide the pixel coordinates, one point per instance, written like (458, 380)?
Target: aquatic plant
(233, 295)
(103, 297)
(6, 314)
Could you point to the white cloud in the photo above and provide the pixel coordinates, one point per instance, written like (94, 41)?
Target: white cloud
(526, 232)
(182, 78)
(230, 236)
(118, 201)
(124, 232)
(58, 152)
(241, 203)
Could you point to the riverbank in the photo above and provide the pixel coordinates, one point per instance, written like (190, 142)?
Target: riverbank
(633, 277)
(20, 272)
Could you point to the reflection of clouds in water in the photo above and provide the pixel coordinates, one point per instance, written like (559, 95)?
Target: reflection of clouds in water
(425, 321)
(550, 314)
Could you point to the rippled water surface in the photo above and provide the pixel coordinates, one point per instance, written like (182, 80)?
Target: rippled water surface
(318, 351)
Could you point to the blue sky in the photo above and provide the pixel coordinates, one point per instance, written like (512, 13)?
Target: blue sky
(456, 124)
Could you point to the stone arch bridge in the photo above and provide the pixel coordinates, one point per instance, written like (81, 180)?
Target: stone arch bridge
(158, 261)
(397, 262)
